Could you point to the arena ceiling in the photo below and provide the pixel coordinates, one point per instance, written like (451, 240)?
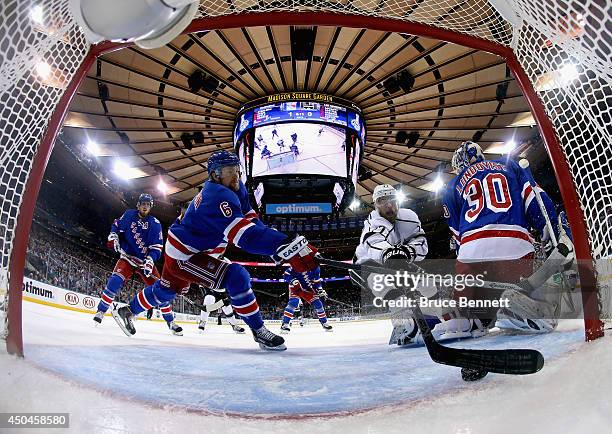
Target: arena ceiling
(135, 104)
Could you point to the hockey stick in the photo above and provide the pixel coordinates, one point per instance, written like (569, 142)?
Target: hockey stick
(527, 285)
(524, 163)
(503, 286)
(510, 361)
(341, 303)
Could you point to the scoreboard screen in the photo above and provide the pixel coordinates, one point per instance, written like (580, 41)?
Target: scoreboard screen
(293, 111)
(300, 111)
(302, 147)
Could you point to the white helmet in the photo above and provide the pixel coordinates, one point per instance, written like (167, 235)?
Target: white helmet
(467, 154)
(382, 191)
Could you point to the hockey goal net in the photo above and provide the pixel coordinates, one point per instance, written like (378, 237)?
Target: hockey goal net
(558, 52)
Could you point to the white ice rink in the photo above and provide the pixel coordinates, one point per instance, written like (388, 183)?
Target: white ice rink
(346, 381)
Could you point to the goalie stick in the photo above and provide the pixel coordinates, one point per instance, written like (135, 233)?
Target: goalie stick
(509, 361)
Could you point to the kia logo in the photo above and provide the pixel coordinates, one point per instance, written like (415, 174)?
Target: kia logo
(89, 302)
(72, 298)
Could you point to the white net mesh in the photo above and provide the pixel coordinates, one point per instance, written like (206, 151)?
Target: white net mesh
(40, 49)
(565, 50)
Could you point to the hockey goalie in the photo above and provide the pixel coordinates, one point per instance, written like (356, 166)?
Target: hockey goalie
(491, 208)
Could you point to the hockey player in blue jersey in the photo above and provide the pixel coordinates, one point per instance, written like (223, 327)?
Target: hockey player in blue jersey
(137, 237)
(217, 216)
(265, 152)
(295, 149)
(305, 286)
(491, 207)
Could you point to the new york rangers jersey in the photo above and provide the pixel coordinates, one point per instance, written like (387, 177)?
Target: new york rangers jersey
(490, 207)
(309, 280)
(138, 237)
(216, 217)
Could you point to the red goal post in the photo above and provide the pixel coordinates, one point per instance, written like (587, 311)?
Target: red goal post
(24, 156)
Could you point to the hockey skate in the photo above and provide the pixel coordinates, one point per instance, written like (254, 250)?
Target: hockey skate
(99, 316)
(176, 329)
(285, 328)
(327, 327)
(202, 326)
(124, 316)
(268, 340)
(237, 329)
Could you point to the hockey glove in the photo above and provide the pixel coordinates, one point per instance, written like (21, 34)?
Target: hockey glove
(299, 253)
(395, 254)
(147, 267)
(113, 242)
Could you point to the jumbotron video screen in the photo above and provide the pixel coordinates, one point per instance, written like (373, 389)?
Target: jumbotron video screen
(299, 148)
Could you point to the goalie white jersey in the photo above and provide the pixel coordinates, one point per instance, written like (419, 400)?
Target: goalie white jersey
(379, 234)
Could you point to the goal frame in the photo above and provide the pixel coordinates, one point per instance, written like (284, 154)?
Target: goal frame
(593, 324)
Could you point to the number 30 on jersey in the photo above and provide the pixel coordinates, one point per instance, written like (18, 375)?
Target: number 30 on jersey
(491, 192)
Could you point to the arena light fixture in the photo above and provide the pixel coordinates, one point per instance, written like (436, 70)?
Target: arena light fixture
(124, 171)
(162, 187)
(37, 14)
(43, 70)
(93, 148)
(568, 73)
(509, 146)
(121, 169)
(401, 196)
(437, 184)
(354, 204)
(559, 78)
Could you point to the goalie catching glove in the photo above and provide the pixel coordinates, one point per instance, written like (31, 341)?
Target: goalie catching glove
(299, 253)
(147, 267)
(113, 242)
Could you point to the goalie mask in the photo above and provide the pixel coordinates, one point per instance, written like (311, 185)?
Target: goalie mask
(467, 154)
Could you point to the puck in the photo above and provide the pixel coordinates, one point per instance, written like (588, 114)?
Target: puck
(468, 374)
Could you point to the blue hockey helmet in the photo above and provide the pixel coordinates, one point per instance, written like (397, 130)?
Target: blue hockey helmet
(221, 159)
(145, 197)
(467, 154)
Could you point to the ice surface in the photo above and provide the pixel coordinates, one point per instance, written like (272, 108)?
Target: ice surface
(348, 380)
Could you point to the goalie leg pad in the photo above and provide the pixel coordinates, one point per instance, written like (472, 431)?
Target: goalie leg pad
(530, 314)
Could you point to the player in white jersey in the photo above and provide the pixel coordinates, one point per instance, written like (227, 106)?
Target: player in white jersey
(210, 298)
(391, 233)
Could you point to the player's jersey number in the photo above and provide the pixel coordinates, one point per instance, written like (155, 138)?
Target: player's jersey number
(491, 192)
